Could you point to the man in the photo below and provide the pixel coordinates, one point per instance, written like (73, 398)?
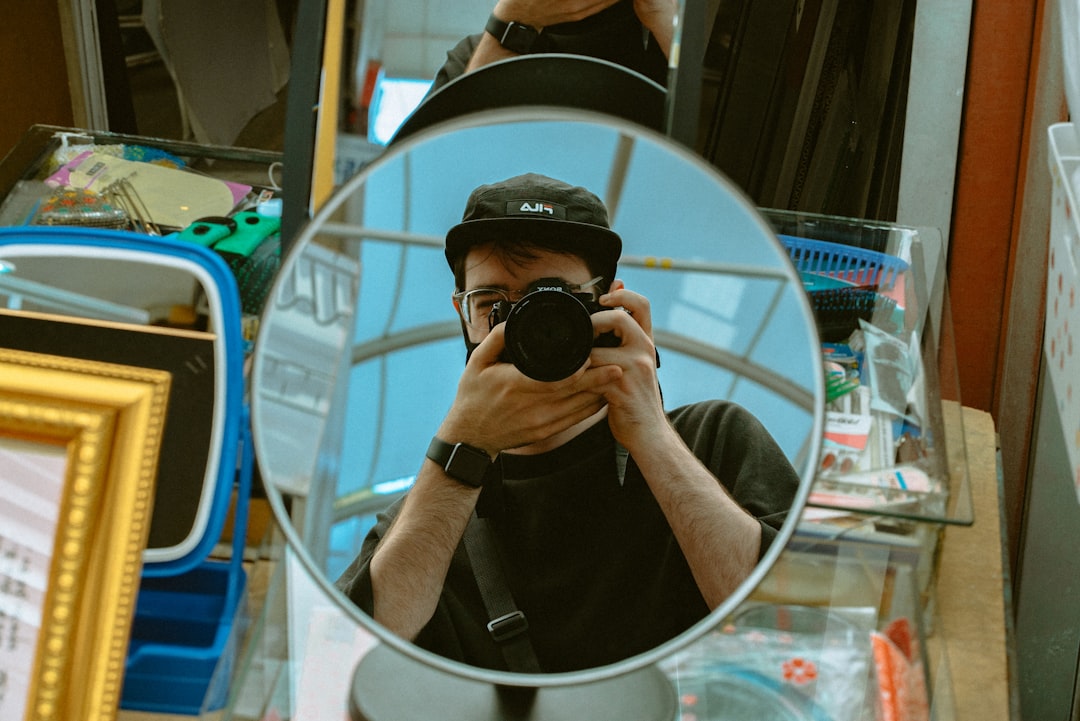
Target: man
(634, 33)
(616, 525)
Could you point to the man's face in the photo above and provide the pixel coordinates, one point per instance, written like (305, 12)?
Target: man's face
(484, 269)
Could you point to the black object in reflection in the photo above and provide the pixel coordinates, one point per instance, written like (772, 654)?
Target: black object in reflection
(554, 80)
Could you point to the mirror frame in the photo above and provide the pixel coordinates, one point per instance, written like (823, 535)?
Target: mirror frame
(503, 678)
(208, 269)
(104, 424)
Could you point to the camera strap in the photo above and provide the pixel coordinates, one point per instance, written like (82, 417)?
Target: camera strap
(621, 457)
(508, 626)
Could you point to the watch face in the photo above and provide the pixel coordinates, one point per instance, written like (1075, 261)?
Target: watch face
(519, 38)
(468, 465)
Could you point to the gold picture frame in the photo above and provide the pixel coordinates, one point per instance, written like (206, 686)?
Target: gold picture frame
(107, 422)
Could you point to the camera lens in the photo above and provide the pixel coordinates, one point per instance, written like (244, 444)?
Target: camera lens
(548, 335)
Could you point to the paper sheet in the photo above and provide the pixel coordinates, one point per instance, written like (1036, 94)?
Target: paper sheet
(31, 482)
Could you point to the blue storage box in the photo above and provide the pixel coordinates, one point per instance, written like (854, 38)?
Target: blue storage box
(190, 613)
(184, 641)
(187, 628)
(190, 608)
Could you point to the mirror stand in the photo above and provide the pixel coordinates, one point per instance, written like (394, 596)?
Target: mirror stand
(389, 685)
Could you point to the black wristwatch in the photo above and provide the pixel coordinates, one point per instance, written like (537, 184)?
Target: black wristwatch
(462, 462)
(515, 37)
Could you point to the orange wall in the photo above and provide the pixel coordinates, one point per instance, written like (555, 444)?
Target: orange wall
(33, 73)
(988, 179)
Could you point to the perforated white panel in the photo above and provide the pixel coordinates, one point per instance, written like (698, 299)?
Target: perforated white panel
(1062, 334)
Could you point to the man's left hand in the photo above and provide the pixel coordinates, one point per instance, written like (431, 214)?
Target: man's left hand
(635, 408)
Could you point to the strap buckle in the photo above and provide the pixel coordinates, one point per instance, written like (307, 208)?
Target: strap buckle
(508, 626)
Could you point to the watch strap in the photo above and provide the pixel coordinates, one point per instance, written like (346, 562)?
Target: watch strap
(464, 463)
(514, 36)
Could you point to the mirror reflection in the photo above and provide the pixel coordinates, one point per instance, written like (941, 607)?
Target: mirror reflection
(405, 51)
(637, 35)
(59, 296)
(655, 478)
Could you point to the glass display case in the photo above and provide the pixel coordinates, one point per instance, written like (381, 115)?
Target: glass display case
(43, 147)
(890, 473)
(848, 646)
(880, 300)
(846, 625)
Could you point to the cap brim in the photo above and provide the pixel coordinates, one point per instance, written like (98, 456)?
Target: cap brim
(584, 239)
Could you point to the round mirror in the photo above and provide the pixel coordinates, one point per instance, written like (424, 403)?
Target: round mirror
(361, 352)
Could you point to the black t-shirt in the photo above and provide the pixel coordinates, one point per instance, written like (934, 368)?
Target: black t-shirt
(590, 560)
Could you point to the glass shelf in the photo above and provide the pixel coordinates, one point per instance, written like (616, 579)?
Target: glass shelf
(894, 444)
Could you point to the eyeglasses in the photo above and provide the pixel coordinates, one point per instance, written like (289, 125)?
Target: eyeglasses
(476, 305)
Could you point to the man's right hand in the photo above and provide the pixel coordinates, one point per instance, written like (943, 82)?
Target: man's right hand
(498, 408)
(541, 13)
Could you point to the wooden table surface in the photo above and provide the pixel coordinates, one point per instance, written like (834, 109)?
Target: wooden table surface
(971, 582)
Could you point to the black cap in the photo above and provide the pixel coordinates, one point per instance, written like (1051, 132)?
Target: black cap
(538, 209)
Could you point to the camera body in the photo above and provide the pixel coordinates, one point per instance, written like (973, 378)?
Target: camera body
(549, 334)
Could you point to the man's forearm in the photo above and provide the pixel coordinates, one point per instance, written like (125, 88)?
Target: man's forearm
(409, 565)
(719, 539)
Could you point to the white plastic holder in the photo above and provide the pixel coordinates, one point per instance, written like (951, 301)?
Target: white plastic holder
(1061, 339)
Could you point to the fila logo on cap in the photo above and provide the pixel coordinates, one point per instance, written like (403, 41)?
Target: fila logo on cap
(526, 207)
(535, 207)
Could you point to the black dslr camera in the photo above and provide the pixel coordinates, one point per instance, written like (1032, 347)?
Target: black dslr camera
(548, 332)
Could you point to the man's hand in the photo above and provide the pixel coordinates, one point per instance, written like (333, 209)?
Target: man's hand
(541, 13)
(498, 408)
(659, 17)
(635, 303)
(635, 408)
(720, 540)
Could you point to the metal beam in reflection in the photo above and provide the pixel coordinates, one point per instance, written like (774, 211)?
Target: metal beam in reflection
(693, 347)
(360, 232)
